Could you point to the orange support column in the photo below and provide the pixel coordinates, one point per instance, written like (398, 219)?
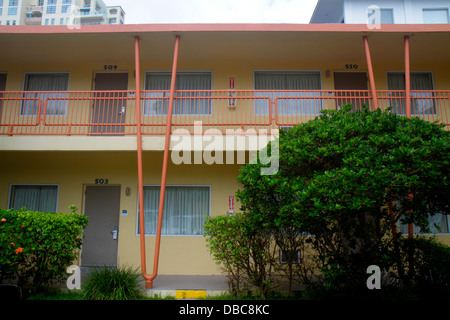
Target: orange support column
(371, 76)
(139, 159)
(149, 283)
(407, 79)
(408, 102)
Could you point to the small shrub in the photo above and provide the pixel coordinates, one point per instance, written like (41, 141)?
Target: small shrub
(37, 247)
(112, 283)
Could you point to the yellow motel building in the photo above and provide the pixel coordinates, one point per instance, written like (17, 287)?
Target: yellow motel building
(105, 117)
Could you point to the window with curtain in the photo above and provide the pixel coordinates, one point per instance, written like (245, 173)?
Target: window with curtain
(438, 223)
(35, 82)
(292, 90)
(431, 16)
(34, 197)
(185, 209)
(422, 102)
(191, 96)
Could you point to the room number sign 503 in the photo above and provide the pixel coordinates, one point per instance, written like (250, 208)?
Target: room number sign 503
(101, 181)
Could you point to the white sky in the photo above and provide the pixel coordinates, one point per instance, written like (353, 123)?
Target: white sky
(215, 11)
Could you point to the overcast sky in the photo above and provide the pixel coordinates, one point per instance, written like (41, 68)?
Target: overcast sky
(215, 11)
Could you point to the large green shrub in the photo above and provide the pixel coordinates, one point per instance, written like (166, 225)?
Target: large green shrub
(36, 248)
(338, 175)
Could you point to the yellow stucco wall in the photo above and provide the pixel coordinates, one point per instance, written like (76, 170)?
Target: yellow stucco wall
(72, 171)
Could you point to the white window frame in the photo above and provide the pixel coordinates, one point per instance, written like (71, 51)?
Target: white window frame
(144, 108)
(12, 185)
(173, 185)
(435, 9)
(269, 96)
(63, 114)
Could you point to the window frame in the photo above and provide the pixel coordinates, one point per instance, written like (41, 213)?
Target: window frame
(168, 186)
(63, 94)
(415, 98)
(284, 71)
(12, 185)
(435, 9)
(146, 109)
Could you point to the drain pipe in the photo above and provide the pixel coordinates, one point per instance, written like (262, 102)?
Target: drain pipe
(149, 279)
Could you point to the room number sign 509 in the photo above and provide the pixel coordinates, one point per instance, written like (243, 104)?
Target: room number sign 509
(110, 67)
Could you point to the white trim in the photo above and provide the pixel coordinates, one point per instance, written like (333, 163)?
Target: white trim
(33, 184)
(172, 185)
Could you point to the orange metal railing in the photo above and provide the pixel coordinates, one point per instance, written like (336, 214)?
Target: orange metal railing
(114, 112)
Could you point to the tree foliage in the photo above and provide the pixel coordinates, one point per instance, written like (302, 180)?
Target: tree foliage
(346, 178)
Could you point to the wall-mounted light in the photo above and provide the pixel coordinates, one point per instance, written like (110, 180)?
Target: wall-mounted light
(127, 191)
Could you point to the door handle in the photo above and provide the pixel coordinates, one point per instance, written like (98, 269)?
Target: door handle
(115, 233)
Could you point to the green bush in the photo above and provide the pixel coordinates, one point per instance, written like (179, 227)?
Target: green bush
(36, 247)
(112, 283)
(249, 258)
(426, 266)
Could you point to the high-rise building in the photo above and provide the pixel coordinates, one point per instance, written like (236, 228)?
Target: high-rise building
(59, 12)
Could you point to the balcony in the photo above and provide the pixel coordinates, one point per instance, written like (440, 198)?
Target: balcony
(113, 113)
(33, 15)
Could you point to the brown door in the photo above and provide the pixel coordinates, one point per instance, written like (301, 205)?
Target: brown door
(102, 206)
(109, 108)
(354, 81)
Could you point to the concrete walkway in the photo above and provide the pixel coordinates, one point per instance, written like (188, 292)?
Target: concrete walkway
(187, 286)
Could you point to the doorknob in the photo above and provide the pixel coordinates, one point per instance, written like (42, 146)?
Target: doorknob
(114, 233)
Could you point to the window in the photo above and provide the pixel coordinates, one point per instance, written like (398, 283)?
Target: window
(13, 7)
(51, 6)
(53, 82)
(431, 16)
(34, 197)
(66, 6)
(439, 223)
(285, 88)
(185, 209)
(387, 16)
(293, 255)
(190, 98)
(422, 102)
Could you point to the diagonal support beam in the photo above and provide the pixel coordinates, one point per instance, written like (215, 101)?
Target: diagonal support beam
(371, 76)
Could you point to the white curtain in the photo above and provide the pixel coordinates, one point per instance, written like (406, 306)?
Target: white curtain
(185, 209)
(187, 103)
(34, 198)
(286, 81)
(421, 102)
(46, 82)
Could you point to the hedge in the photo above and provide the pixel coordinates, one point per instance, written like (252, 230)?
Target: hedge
(37, 247)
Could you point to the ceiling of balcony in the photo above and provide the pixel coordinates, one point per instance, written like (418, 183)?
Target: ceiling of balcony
(305, 43)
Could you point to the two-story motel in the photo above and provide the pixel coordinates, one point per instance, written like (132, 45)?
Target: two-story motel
(92, 117)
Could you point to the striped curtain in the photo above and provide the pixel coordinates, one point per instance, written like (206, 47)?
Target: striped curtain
(189, 98)
(421, 100)
(288, 102)
(45, 82)
(34, 198)
(185, 209)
